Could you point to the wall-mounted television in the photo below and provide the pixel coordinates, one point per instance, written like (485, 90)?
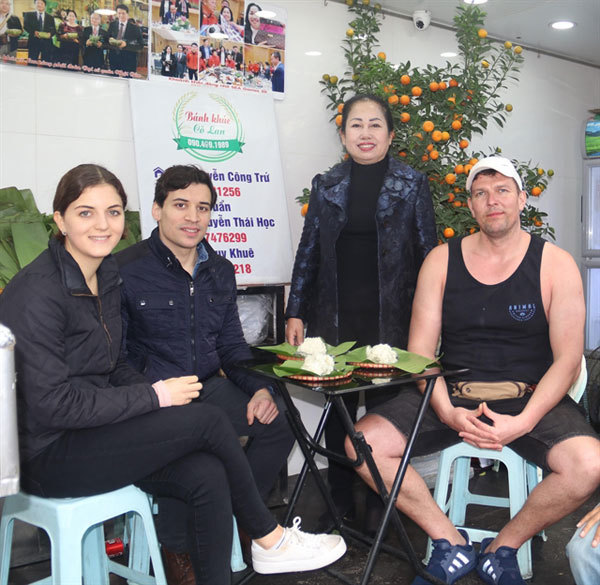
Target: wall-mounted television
(591, 147)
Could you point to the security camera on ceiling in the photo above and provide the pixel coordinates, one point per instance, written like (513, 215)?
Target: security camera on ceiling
(421, 19)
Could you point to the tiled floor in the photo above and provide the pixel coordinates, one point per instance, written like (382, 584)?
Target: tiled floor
(550, 564)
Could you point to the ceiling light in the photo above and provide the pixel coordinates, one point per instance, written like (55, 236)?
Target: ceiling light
(448, 54)
(313, 53)
(266, 14)
(562, 25)
(105, 12)
(475, 1)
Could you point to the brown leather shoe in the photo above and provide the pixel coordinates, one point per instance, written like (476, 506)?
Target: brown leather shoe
(178, 568)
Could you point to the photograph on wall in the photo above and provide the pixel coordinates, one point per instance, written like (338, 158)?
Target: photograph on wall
(264, 69)
(175, 38)
(222, 19)
(265, 25)
(106, 37)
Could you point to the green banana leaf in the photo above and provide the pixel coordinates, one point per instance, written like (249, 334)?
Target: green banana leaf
(30, 240)
(407, 361)
(283, 348)
(290, 350)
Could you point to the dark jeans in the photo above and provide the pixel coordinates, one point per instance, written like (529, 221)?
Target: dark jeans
(187, 452)
(267, 453)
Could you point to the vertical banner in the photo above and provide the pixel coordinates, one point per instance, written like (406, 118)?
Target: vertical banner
(232, 135)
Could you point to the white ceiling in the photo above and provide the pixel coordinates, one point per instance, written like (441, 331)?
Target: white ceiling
(526, 22)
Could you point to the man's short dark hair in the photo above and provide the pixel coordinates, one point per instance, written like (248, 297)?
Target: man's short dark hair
(277, 55)
(181, 177)
(194, 44)
(122, 7)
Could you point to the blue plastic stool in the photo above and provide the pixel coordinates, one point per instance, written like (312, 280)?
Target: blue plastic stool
(76, 533)
(237, 561)
(522, 478)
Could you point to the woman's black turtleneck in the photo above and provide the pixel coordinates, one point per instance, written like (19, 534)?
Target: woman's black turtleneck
(356, 250)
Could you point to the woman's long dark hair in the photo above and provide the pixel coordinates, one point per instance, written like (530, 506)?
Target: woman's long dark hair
(247, 27)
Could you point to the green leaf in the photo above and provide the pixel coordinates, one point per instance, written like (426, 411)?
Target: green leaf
(339, 349)
(407, 361)
(412, 362)
(11, 197)
(29, 201)
(283, 348)
(7, 261)
(358, 354)
(30, 240)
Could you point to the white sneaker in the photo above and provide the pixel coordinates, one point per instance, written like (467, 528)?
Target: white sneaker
(299, 551)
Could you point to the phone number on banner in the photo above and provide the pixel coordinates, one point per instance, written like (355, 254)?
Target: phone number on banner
(227, 237)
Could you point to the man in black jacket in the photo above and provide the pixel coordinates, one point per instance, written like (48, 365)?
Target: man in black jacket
(126, 41)
(180, 315)
(94, 40)
(40, 26)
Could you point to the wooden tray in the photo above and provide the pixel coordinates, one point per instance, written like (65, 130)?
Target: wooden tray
(371, 365)
(307, 378)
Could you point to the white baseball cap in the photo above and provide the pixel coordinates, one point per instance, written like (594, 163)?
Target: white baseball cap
(497, 163)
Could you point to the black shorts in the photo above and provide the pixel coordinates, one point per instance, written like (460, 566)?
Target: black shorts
(564, 421)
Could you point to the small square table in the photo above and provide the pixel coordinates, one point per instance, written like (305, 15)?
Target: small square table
(310, 446)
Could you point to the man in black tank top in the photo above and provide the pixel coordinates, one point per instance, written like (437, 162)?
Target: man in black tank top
(509, 307)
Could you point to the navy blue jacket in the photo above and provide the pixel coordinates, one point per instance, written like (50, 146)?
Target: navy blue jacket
(405, 232)
(178, 326)
(70, 373)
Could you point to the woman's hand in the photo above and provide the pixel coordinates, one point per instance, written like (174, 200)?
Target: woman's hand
(183, 390)
(294, 331)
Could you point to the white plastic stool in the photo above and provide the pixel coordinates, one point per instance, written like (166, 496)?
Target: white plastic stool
(76, 533)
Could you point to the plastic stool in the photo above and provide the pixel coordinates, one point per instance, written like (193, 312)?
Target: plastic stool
(522, 478)
(237, 561)
(76, 533)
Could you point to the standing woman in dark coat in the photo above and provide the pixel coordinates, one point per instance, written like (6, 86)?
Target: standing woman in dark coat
(89, 423)
(369, 226)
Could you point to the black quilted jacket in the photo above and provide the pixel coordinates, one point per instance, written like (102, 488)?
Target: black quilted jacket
(405, 231)
(69, 371)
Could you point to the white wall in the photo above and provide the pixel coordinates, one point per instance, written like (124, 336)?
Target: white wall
(50, 121)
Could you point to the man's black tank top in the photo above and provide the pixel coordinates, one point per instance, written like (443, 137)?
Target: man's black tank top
(498, 331)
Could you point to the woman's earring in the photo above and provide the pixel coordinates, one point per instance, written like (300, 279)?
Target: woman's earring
(64, 233)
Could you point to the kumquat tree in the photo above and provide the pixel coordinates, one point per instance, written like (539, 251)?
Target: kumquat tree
(437, 110)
